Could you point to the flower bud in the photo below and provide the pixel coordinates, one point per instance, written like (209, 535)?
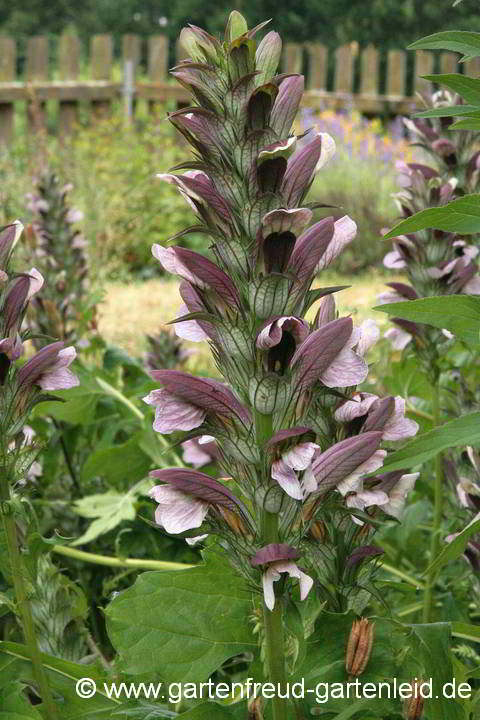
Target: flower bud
(359, 647)
(235, 342)
(413, 708)
(268, 394)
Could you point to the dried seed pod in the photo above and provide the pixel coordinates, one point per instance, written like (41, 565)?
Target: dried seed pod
(318, 531)
(359, 647)
(413, 708)
(255, 709)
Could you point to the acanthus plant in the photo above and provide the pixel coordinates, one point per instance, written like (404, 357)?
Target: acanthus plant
(436, 262)
(66, 309)
(22, 387)
(296, 442)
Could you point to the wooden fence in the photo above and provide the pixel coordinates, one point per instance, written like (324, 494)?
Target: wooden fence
(356, 79)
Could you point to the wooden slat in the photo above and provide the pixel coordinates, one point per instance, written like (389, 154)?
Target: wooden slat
(423, 66)
(369, 71)
(157, 63)
(317, 66)
(292, 60)
(131, 53)
(343, 69)
(36, 70)
(131, 49)
(396, 73)
(7, 74)
(101, 52)
(472, 67)
(68, 59)
(448, 62)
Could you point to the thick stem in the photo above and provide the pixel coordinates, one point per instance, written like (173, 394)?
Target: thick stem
(273, 619)
(23, 603)
(437, 514)
(110, 561)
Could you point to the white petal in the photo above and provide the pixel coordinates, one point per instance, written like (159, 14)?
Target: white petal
(36, 282)
(356, 407)
(398, 494)
(344, 232)
(394, 260)
(306, 582)
(472, 287)
(398, 427)
(172, 413)
(183, 514)
(309, 482)
(327, 150)
(300, 456)
(269, 577)
(369, 335)
(399, 338)
(352, 483)
(347, 369)
(196, 539)
(189, 329)
(287, 479)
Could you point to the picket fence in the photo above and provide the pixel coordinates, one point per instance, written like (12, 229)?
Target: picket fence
(369, 80)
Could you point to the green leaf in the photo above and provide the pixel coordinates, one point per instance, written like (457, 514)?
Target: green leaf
(118, 463)
(79, 408)
(456, 433)
(451, 111)
(466, 631)
(181, 626)
(466, 43)
(467, 87)
(62, 678)
(109, 510)
(460, 314)
(467, 124)
(14, 704)
(461, 215)
(433, 641)
(456, 548)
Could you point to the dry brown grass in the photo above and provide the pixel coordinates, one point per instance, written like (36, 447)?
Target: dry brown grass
(130, 311)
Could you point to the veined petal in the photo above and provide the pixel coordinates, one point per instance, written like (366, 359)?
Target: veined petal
(309, 249)
(345, 229)
(356, 407)
(347, 369)
(184, 514)
(271, 334)
(172, 413)
(350, 483)
(300, 456)
(398, 493)
(398, 427)
(287, 479)
(286, 104)
(344, 458)
(327, 151)
(189, 329)
(369, 335)
(315, 355)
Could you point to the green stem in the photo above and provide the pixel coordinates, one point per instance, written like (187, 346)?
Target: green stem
(23, 604)
(437, 513)
(110, 561)
(403, 575)
(273, 619)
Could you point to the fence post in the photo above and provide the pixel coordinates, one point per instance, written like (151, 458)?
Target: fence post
(396, 74)
(423, 66)
(131, 54)
(37, 70)
(292, 59)
(448, 62)
(68, 57)
(157, 64)
(101, 58)
(7, 74)
(344, 69)
(317, 66)
(369, 80)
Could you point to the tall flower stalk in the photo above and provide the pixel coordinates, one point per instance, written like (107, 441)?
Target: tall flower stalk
(435, 263)
(294, 438)
(21, 388)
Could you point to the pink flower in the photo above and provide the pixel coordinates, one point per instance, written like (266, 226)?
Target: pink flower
(172, 413)
(49, 368)
(284, 470)
(176, 511)
(278, 558)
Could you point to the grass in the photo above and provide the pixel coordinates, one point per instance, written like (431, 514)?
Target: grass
(132, 310)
